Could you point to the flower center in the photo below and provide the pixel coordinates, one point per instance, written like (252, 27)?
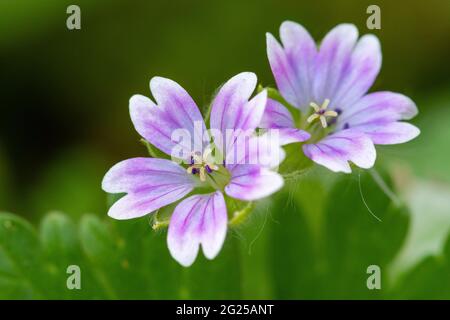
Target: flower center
(202, 164)
(321, 112)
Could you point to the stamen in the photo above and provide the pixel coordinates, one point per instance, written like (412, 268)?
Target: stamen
(315, 106)
(312, 117)
(196, 156)
(202, 174)
(321, 113)
(330, 113)
(207, 154)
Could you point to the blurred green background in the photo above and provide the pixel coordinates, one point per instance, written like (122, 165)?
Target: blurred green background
(65, 122)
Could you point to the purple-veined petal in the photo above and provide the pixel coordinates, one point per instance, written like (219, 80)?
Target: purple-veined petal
(197, 220)
(332, 63)
(276, 116)
(337, 149)
(326, 157)
(292, 64)
(175, 110)
(390, 133)
(300, 49)
(251, 182)
(263, 150)
(377, 114)
(149, 183)
(365, 64)
(383, 106)
(282, 71)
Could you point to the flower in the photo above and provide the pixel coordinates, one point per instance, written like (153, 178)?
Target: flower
(329, 88)
(152, 183)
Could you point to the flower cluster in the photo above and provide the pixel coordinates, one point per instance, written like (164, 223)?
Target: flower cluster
(322, 101)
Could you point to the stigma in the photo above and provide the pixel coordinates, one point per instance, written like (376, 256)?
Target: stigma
(202, 164)
(321, 112)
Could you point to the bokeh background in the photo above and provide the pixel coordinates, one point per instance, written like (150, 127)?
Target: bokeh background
(64, 121)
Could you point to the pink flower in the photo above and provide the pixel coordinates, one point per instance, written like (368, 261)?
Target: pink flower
(328, 85)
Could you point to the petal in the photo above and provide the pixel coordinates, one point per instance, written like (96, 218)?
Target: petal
(276, 116)
(251, 182)
(291, 135)
(232, 113)
(282, 71)
(263, 150)
(390, 133)
(231, 101)
(279, 119)
(326, 157)
(150, 184)
(175, 114)
(333, 61)
(381, 106)
(365, 64)
(377, 115)
(292, 65)
(200, 219)
(337, 149)
(251, 113)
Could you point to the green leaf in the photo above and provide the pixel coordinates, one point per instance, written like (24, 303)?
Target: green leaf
(60, 249)
(326, 237)
(292, 256)
(356, 239)
(253, 237)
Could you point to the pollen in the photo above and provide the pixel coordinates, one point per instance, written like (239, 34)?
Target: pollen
(202, 164)
(321, 113)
